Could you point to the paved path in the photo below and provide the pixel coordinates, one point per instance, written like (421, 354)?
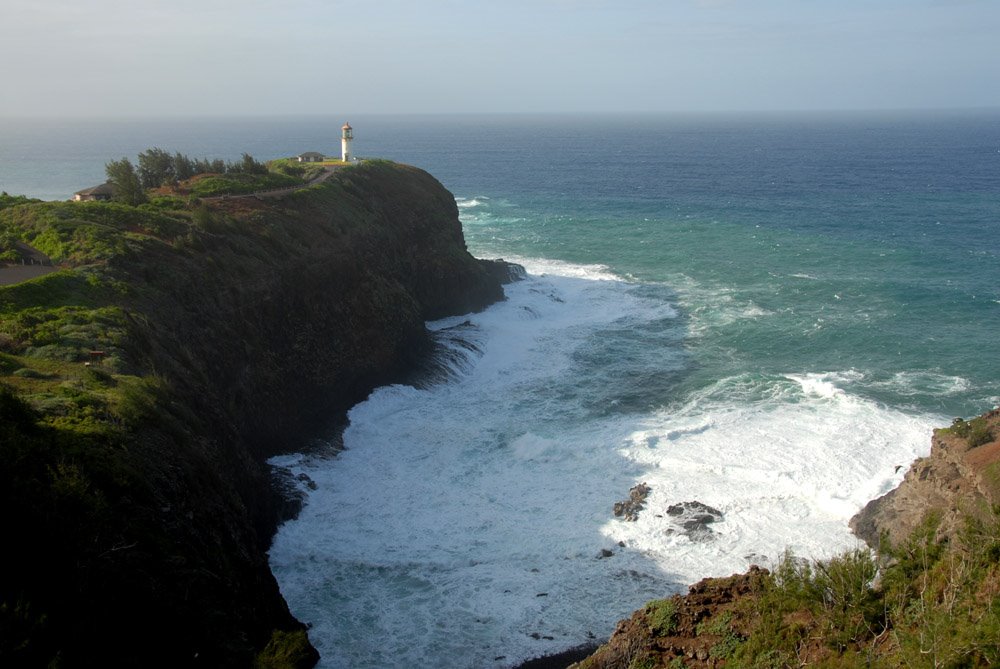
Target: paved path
(36, 264)
(10, 274)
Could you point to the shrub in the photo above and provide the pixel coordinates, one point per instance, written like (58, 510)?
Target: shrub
(851, 604)
(976, 432)
(979, 433)
(241, 183)
(662, 616)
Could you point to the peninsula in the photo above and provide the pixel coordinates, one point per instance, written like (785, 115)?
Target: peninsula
(171, 348)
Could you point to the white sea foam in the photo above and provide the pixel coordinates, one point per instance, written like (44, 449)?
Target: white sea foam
(927, 383)
(464, 521)
(470, 202)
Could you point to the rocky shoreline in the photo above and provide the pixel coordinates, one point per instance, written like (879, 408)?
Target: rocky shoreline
(956, 482)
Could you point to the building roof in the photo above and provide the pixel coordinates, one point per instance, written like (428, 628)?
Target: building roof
(311, 154)
(347, 126)
(106, 188)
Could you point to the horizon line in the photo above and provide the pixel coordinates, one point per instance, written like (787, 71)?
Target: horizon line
(605, 113)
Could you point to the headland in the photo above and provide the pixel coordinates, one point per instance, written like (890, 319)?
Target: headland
(181, 342)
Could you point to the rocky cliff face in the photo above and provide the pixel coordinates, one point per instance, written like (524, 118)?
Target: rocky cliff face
(252, 332)
(956, 480)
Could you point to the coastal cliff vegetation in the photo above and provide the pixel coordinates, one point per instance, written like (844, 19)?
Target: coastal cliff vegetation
(177, 344)
(928, 595)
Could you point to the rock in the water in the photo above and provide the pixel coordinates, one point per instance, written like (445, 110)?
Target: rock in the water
(630, 508)
(694, 518)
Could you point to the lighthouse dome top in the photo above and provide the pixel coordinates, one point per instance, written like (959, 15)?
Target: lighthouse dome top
(347, 126)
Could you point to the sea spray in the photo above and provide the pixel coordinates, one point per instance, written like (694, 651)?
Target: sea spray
(472, 519)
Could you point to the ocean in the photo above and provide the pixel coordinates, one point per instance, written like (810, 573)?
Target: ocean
(764, 314)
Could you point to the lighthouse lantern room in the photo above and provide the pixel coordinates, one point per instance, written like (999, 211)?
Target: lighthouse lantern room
(346, 135)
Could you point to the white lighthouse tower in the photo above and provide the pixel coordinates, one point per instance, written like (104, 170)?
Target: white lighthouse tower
(346, 135)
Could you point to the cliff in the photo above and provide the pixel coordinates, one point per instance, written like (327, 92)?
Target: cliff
(929, 597)
(959, 479)
(146, 382)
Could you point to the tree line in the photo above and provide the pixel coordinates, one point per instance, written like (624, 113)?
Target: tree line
(157, 167)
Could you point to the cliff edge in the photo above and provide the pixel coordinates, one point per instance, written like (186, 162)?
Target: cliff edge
(958, 480)
(144, 384)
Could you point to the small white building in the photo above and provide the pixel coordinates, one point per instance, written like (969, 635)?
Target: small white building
(105, 191)
(346, 135)
(311, 157)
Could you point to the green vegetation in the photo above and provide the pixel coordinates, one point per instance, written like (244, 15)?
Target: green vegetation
(976, 432)
(305, 171)
(728, 639)
(83, 419)
(286, 650)
(238, 183)
(662, 616)
(159, 168)
(928, 602)
(922, 604)
(82, 233)
(128, 186)
(7, 200)
(145, 381)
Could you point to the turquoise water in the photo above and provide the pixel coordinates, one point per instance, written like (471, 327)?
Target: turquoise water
(765, 314)
(856, 243)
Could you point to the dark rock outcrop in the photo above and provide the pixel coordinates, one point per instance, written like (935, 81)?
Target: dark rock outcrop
(629, 509)
(694, 518)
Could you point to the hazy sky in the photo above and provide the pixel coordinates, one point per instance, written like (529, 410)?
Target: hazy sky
(194, 57)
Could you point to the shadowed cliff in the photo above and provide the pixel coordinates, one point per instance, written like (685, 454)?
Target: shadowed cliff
(147, 381)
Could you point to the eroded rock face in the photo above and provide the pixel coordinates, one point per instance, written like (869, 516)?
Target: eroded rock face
(954, 480)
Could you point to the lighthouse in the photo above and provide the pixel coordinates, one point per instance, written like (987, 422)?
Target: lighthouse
(346, 135)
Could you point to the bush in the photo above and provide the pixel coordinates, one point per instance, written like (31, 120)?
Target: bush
(28, 373)
(241, 184)
(7, 200)
(662, 616)
(976, 432)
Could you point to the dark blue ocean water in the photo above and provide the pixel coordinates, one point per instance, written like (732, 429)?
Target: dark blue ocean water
(767, 314)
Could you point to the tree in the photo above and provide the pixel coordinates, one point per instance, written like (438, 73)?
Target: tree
(246, 165)
(206, 166)
(183, 167)
(156, 167)
(128, 187)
